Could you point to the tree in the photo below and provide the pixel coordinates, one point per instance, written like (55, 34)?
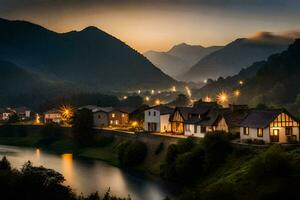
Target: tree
(13, 119)
(5, 164)
(82, 127)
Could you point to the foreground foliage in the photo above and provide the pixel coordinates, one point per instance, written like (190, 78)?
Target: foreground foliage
(36, 183)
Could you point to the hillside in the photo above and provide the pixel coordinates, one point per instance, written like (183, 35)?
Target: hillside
(237, 55)
(90, 59)
(20, 87)
(180, 58)
(274, 82)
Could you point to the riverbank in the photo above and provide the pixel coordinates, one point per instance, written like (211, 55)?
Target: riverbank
(105, 149)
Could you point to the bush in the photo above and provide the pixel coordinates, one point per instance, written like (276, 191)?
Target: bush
(258, 142)
(190, 165)
(247, 141)
(185, 145)
(132, 153)
(159, 148)
(272, 163)
(172, 153)
(104, 141)
(5, 164)
(217, 147)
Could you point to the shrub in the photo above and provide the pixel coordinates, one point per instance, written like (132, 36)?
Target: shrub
(247, 141)
(216, 146)
(190, 165)
(159, 148)
(5, 164)
(104, 141)
(258, 142)
(272, 163)
(133, 153)
(185, 145)
(172, 153)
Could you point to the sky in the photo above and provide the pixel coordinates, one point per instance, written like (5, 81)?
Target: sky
(160, 24)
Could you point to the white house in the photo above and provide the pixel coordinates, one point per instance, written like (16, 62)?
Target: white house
(276, 126)
(157, 119)
(23, 112)
(6, 113)
(53, 116)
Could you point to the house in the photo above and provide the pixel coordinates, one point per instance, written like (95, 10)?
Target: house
(184, 119)
(23, 112)
(111, 116)
(5, 113)
(277, 126)
(157, 119)
(53, 116)
(217, 119)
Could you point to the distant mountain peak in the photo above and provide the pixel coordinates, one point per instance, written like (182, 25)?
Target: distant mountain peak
(92, 28)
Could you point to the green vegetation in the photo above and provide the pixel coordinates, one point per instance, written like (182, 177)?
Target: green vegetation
(132, 153)
(35, 183)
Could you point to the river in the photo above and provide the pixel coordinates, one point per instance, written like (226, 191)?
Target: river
(86, 176)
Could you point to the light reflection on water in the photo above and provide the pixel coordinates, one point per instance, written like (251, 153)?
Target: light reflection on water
(88, 176)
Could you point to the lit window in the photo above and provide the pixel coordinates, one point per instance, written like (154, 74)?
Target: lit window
(123, 115)
(117, 122)
(246, 131)
(113, 115)
(111, 121)
(260, 132)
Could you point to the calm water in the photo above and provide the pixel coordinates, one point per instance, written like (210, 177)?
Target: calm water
(88, 176)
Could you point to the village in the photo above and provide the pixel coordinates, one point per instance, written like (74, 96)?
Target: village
(247, 125)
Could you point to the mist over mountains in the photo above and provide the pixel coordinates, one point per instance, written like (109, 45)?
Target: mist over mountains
(237, 55)
(180, 58)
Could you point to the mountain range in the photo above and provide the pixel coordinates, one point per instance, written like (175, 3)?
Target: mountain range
(180, 58)
(274, 82)
(90, 60)
(238, 54)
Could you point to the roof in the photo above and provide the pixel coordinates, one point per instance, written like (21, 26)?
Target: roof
(187, 111)
(89, 107)
(102, 109)
(21, 109)
(126, 109)
(211, 118)
(162, 109)
(260, 118)
(234, 118)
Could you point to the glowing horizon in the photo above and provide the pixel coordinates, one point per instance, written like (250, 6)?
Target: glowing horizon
(159, 26)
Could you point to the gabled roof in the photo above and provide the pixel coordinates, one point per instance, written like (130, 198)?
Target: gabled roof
(126, 109)
(89, 107)
(103, 109)
(211, 118)
(187, 111)
(21, 109)
(53, 111)
(260, 118)
(234, 118)
(162, 109)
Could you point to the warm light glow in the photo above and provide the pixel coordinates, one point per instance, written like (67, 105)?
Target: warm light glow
(241, 82)
(134, 124)
(66, 112)
(188, 91)
(38, 153)
(207, 99)
(125, 97)
(157, 102)
(173, 89)
(222, 98)
(139, 91)
(67, 167)
(237, 93)
(159, 92)
(147, 98)
(152, 91)
(37, 119)
(205, 81)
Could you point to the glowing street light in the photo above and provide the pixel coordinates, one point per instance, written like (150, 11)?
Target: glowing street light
(125, 97)
(147, 98)
(157, 102)
(241, 82)
(37, 119)
(207, 99)
(222, 97)
(66, 112)
(173, 89)
(237, 93)
(134, 124)
(139, 91)
(152, 91)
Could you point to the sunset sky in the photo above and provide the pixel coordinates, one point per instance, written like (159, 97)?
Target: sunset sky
(158, 25)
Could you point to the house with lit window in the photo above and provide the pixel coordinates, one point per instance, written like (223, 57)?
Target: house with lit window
(53, 116)
(217, 119)
(276, 126)
(110, 116)
(23, 112)
(184, 120)
(5, 113)
(157, 119)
